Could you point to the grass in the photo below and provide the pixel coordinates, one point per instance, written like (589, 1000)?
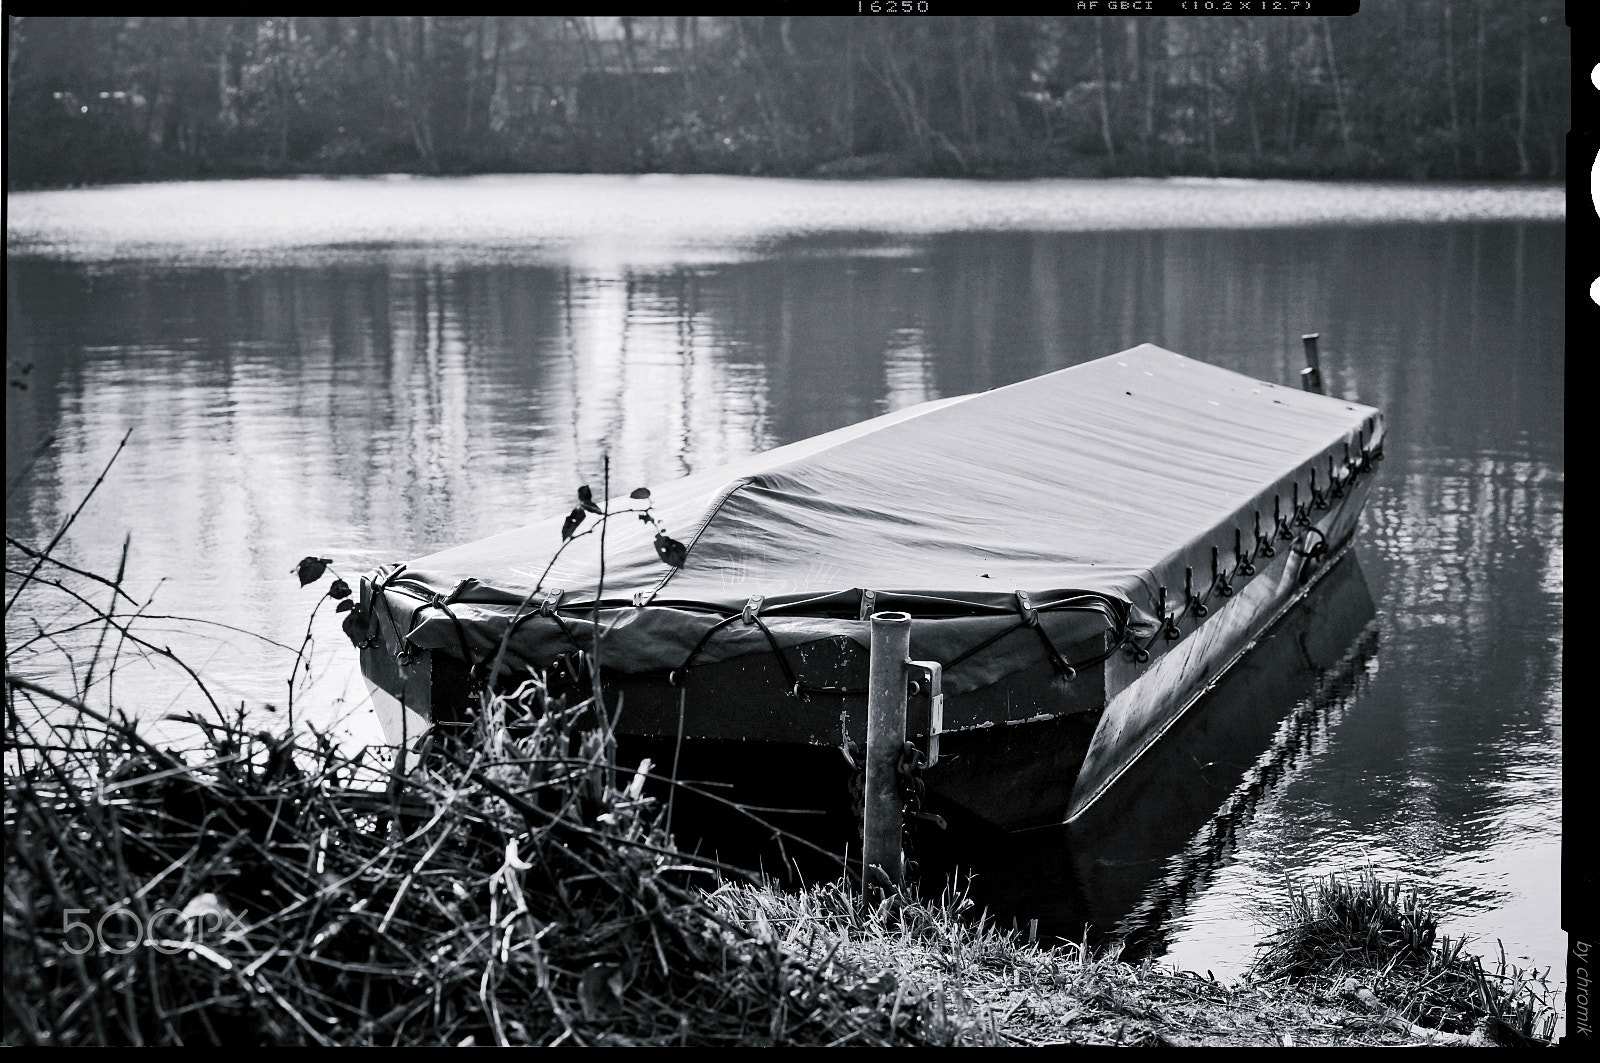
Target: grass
(522, 893)
(520, 890)
(1379, 943)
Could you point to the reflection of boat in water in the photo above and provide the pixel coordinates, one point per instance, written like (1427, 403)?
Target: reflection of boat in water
(1155, 836)
(1082, 553)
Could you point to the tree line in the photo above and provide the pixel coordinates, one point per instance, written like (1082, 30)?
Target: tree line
(1405, 89)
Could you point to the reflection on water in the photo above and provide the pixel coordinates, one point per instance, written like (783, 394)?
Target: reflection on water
(383, 405)
(1160, 834)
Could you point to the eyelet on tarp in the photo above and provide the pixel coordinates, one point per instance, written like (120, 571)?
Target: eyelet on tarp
(1242, 559)
(1264, 545)
(1219, 578)
(1282, 527)
(1169, 622)
(1030, 618)
(1319, 498)
(1301, 518)
(1337, 488)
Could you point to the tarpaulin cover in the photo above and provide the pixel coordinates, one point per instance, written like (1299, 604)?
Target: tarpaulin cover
(1089, 487)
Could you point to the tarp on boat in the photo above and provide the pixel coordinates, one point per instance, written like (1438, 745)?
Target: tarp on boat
(1091, 490)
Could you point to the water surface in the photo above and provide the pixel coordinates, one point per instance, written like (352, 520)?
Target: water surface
(373, 370)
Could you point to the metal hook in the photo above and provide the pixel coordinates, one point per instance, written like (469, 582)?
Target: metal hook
(1195, 603)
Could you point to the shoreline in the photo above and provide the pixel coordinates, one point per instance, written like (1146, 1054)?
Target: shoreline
(865, 169)
(521, 890)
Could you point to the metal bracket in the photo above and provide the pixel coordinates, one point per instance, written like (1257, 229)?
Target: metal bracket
(926, 681)
(752, 608)
(869, 604)
(547, 607)
(1030, 615)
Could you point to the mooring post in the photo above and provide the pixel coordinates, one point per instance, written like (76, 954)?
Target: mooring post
(1311, 375)
(886, 736)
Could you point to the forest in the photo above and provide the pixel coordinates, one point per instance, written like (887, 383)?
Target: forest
(1407, 89)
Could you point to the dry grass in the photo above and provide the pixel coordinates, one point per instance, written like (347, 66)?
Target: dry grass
(1378, 943)
(519, 894)
(941, 954)
(519, 890)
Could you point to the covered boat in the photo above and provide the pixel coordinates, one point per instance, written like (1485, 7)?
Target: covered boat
(1082, 554)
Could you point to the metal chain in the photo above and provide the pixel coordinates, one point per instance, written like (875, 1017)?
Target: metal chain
(909, 769)
(856, 784)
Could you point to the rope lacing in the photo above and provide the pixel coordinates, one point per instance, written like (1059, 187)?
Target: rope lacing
(1193, 605)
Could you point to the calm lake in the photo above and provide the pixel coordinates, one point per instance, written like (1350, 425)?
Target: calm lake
(371, 370)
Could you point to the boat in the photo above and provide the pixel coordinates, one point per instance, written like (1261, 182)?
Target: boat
(1081, 555)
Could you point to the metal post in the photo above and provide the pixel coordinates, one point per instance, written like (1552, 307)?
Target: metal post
(1311, 375)
(886, 736)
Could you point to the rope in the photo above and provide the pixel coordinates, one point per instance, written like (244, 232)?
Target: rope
(789, 678)
(672, 789)
(461, 632)
(985, 644)
(676, 676)
(1195, 605)
(1058, 663)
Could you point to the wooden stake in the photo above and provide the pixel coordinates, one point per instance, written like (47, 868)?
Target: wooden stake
(1311, 375)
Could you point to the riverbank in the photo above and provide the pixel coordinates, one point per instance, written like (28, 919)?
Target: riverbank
(1034, 994)
(520, 889)
(876, 166)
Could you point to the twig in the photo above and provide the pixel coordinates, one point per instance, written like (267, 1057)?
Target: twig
(39, 561)
(22, 473)
(600, 591)
(294, 672)
(124, 731)
(115, 585)
(116, 589)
